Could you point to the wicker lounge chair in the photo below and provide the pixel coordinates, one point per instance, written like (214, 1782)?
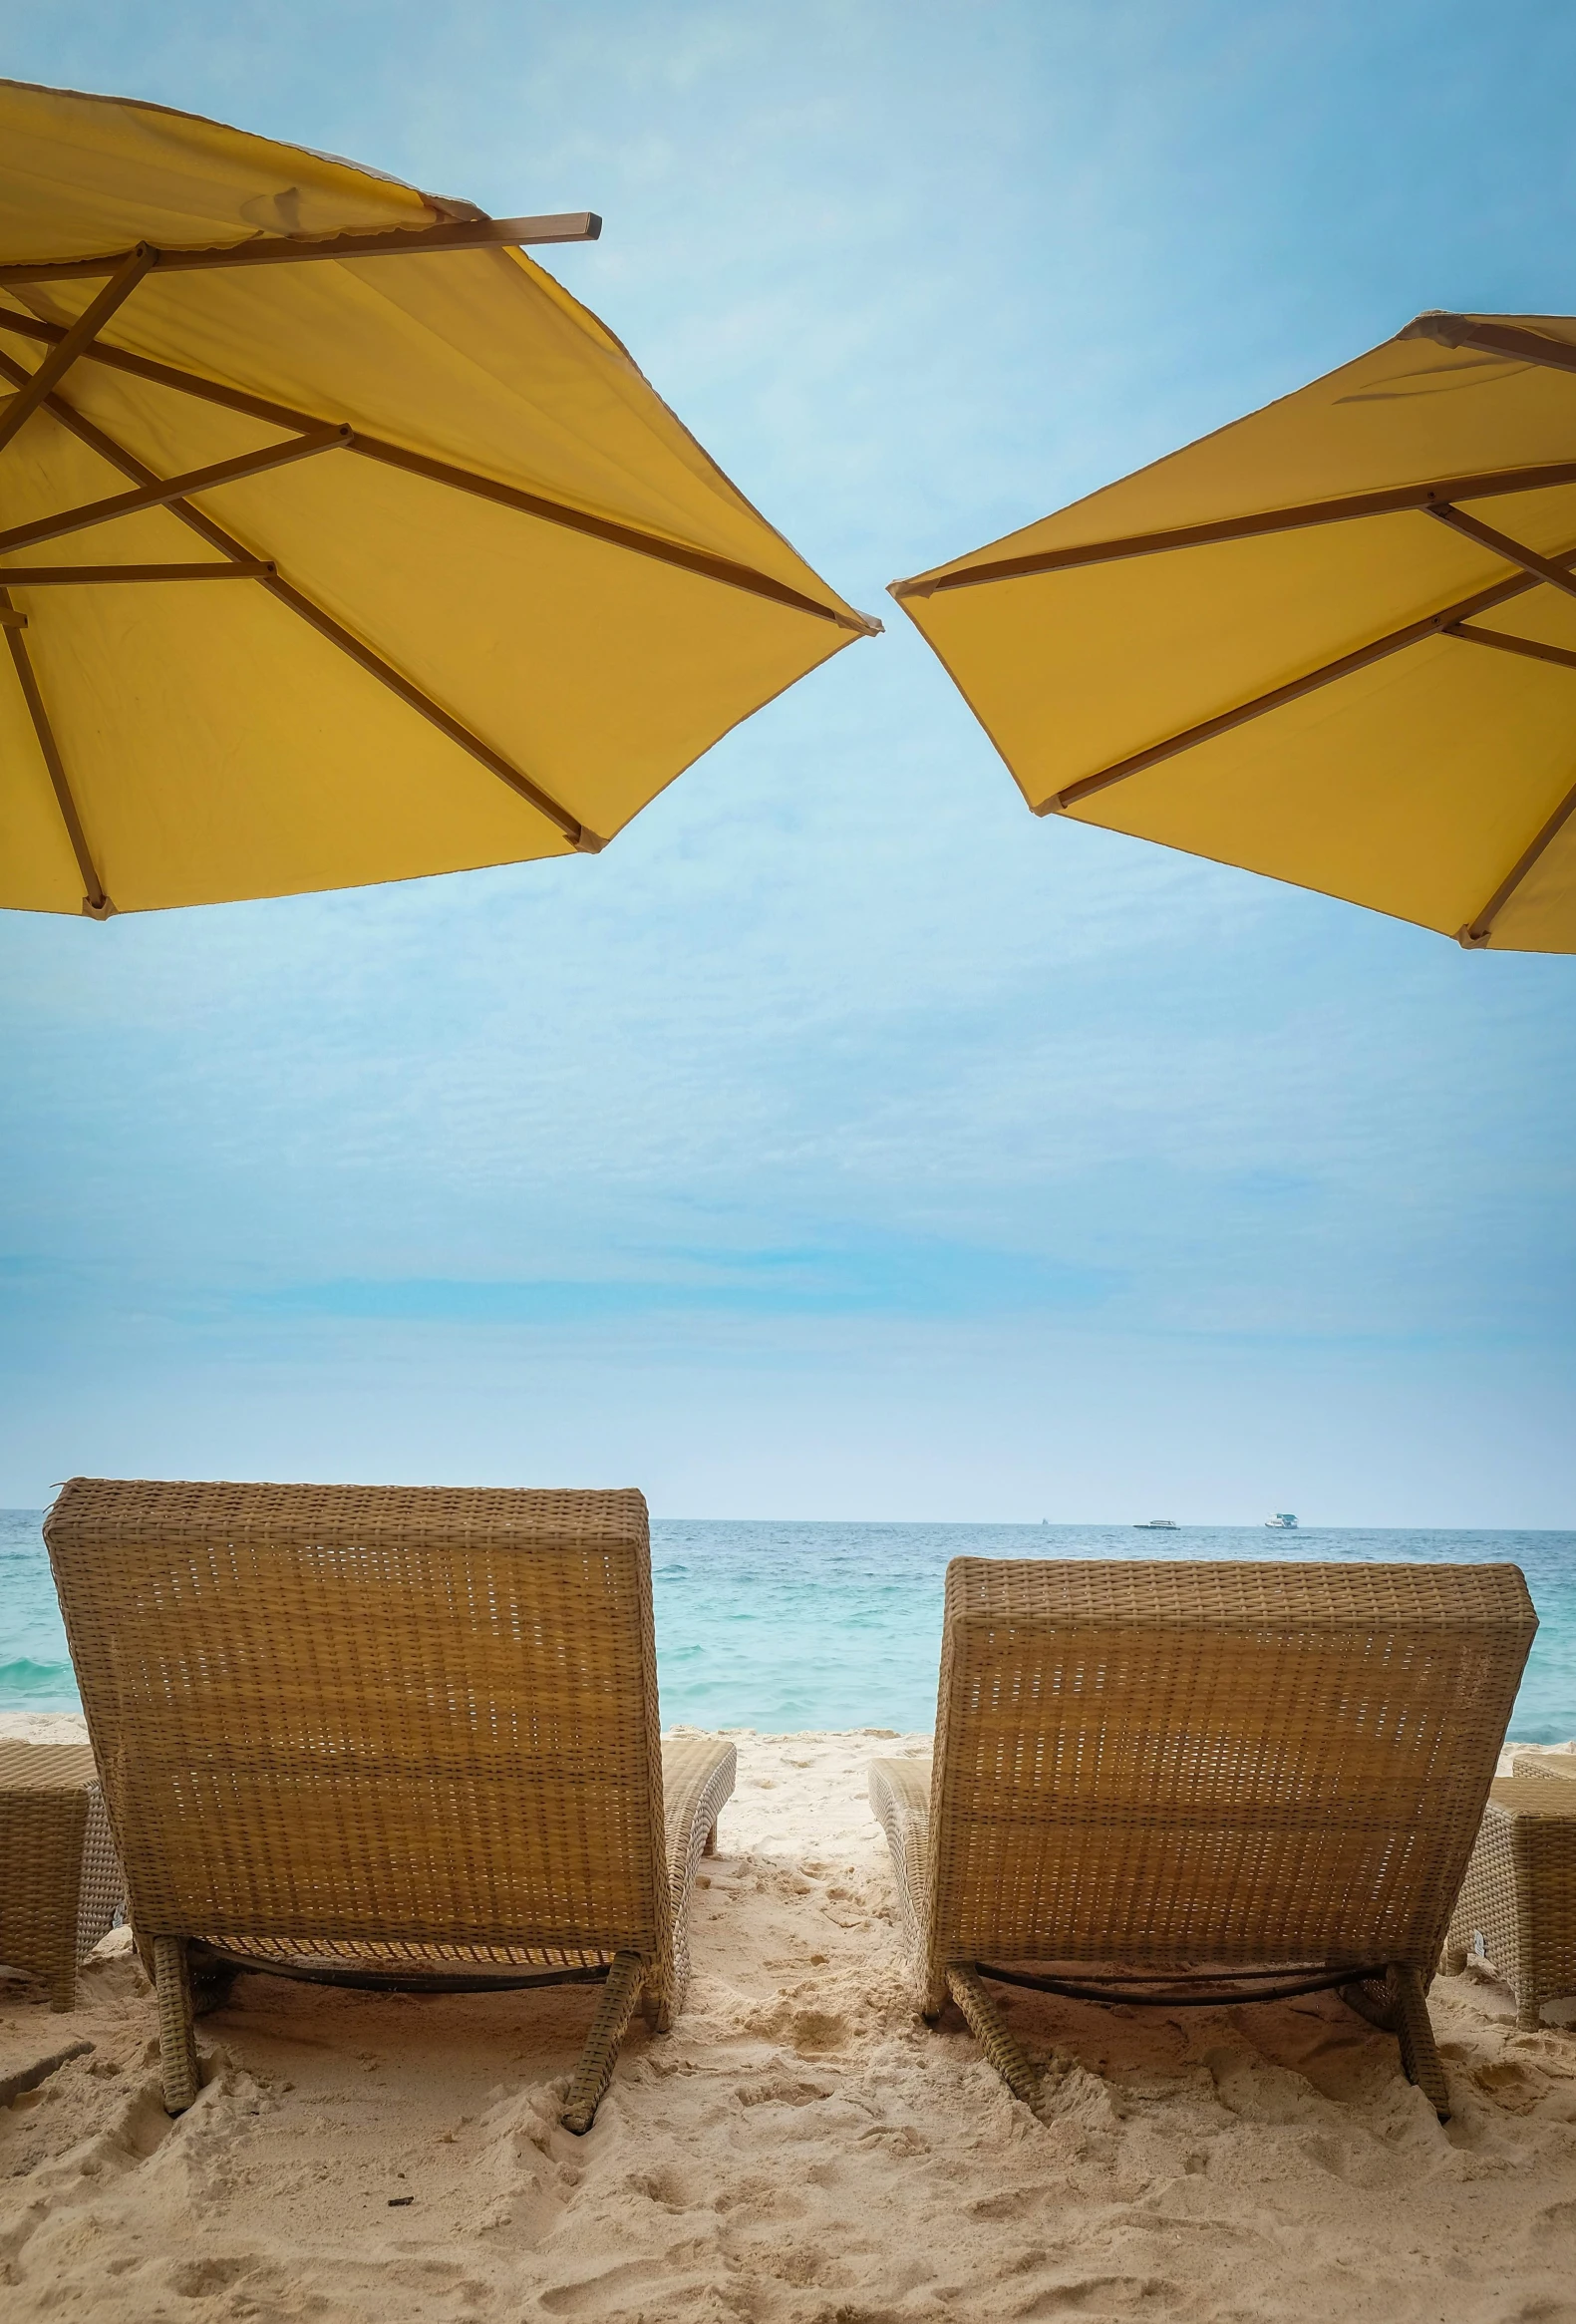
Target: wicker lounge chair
(1175, 1783)
(377, 1735)
(61, 1886)
(1517, 1904)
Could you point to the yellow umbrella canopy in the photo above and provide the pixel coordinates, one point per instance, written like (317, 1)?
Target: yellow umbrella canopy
(1335, 642)
(338, 542)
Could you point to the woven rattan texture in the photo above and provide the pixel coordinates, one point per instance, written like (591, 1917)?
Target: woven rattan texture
(991, 2030)
(1561, 1764)
(342, 1715)
(594, 2070)
(46, 1767)
(61, 1884)
(1519, 1893)
(1164, 1764)
(698, 1776)
(900, 1797)
(177, 2040)
(103, 1898)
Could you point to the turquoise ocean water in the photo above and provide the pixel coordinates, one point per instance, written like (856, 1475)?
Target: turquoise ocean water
(784, 1628)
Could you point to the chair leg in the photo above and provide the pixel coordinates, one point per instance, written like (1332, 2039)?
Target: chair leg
(990, 2031)
(709, 1850)
(177, 2037)
(614, 2009)
(1420, 2053)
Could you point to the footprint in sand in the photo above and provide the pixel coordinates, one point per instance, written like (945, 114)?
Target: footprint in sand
(814, 2030)
(197, 2279)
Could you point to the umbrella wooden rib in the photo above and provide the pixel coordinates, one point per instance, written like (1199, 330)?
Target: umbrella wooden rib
(461, 480)
(1445, 623)
(1427, 497)
(95, 903)
(161, 491)
(171, 493)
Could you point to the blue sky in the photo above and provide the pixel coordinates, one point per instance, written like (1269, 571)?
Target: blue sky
(844, 1142)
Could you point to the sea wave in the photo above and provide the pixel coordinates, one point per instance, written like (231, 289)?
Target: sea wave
(782, 1627)
(26, 1685)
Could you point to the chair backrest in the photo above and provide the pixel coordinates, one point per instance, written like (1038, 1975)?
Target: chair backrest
(1151, 1762)
(367, 1712)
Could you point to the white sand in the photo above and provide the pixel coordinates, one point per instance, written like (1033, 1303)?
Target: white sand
(800, 2148)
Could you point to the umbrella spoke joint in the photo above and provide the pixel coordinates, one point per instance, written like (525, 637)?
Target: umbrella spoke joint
(1500, 544)
(127, 274)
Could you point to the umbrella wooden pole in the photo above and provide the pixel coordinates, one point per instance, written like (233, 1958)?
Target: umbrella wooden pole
(1493, 339)
(580, 226)
(95, 902)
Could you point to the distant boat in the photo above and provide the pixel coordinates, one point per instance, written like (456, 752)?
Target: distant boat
(1160, 1525)
(1283, 1521)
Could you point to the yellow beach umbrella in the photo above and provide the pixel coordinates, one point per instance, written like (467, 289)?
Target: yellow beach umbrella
(338, 542)
(1335, 642)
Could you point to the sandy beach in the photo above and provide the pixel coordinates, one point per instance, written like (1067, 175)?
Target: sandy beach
(800, 2149)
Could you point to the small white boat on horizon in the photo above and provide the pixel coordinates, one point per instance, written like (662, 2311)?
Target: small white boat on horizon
(1154, 1526)
(1283, 1522)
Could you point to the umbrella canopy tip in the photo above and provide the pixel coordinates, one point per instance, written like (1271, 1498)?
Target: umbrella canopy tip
(1438, 324)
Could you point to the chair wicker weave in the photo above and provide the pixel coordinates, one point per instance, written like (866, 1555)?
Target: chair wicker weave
(1177, 1782)
(386, 1735)
(1517, 1904)
(1561, 1764)
(60, 1884)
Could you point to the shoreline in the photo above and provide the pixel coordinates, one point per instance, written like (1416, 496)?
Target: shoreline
(71, 1727)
